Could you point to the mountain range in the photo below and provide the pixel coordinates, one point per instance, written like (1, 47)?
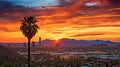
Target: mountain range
(73, 42)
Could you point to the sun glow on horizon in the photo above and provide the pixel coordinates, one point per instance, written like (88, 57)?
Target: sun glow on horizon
(57, 39)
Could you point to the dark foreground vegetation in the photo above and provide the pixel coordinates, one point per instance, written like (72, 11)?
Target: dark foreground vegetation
(57, 61)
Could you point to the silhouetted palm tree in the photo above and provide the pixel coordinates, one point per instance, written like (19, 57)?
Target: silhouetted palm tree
(29, 29)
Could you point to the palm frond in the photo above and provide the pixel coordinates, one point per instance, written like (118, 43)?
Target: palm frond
(29, 27)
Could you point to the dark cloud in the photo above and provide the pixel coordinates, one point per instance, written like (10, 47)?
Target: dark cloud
(7, 6)
(7, 30)
(9, 11)
(66, 2)
(12, 13)
(115, 3)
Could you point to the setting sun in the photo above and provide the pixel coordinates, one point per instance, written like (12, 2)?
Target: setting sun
(57, 39)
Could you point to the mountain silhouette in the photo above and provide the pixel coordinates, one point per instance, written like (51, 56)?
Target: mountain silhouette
(73, 42)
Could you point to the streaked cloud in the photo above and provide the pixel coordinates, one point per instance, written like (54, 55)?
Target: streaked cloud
(88, 34)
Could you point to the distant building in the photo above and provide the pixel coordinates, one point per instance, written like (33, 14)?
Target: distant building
(24, 44)
(33, 44)
(39, 40)
(103, 45)
(9, 45)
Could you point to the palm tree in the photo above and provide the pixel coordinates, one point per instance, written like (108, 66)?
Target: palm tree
(29, 29)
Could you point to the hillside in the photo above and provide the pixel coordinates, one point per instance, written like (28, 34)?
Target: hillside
(8, 55)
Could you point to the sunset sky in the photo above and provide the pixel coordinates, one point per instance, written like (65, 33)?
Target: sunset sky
(74, 19)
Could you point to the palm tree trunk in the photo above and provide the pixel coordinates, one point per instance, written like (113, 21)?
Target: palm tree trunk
(28, 52)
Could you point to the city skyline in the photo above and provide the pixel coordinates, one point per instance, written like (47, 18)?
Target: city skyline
(57, 19)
